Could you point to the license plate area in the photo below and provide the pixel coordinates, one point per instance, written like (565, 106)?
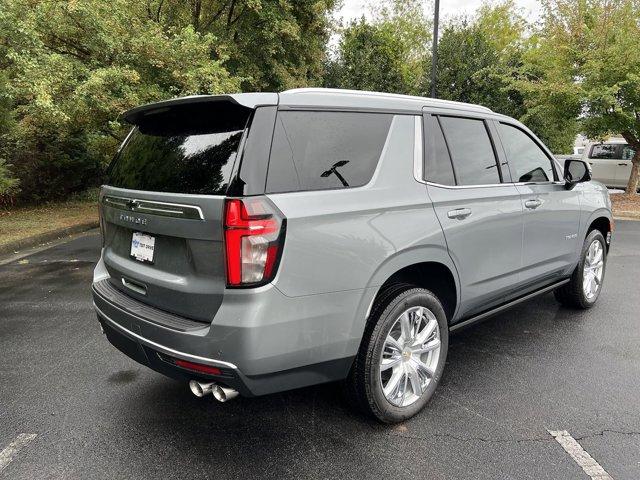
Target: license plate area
(142, 247)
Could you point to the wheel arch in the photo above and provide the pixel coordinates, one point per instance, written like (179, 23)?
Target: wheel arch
(430, 268)
(600, 220)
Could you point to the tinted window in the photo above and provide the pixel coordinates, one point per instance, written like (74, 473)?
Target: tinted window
(527, 160)
(611, 151)
(322, 150)
(438, 168)
(177, 162)
(627, 152)
(471, 151)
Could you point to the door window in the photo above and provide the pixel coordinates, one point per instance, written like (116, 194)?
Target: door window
(474, 161)
(325, 150)
(528, 162)
(611, 151)
(627, 152)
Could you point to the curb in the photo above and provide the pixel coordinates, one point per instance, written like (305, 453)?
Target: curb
(35, 240)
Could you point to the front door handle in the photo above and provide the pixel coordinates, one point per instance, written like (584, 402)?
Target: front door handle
(533, 204)
(622, 164)
(459, 213)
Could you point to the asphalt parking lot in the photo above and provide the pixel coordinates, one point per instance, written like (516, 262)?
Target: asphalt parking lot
(508, 381)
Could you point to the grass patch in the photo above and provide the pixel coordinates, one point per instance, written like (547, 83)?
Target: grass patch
(624, 205)
(24, 222)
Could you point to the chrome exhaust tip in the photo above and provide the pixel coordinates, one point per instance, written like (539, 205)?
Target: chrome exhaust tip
(201, 389)
(224, 394)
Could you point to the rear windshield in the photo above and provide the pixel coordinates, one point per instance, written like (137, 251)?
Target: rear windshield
(180, 154)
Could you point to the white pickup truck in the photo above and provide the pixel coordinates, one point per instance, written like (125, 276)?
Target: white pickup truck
(610, 161)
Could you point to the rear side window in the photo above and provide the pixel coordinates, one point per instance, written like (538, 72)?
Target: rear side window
(627, 152)
(325, 150)
(181, 150)
(438, 168)
(527, 160)
(474, 161)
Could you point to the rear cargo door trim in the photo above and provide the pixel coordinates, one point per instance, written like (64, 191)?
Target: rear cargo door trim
(165, 209)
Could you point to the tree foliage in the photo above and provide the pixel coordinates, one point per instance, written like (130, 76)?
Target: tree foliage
(68, 69)
(481, 60)
(610, 76)
(386, 54)
(270, 44)
(585, 64)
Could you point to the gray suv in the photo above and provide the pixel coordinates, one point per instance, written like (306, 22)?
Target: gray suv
(260, 242)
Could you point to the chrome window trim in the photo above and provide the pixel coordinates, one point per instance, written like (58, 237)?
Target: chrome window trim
(550, 182)
(146, 206)
(457, 187)
(418, 164)
(452, 187)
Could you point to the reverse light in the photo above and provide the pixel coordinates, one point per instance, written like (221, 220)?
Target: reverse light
(253, 234)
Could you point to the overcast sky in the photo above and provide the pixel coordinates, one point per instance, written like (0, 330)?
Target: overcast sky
(448, 8)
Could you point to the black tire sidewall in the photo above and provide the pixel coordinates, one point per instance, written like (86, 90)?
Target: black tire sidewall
(382, 408)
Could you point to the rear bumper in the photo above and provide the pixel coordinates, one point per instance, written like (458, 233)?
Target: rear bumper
(156, 357)
(261, 343)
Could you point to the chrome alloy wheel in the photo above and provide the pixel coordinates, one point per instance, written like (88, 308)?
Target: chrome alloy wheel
(410, 356)
(593, 269)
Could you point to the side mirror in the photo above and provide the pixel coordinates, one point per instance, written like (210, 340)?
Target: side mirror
(576, 171)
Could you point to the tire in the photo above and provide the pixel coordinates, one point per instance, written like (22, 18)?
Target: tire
(366, 380)
(573, 294)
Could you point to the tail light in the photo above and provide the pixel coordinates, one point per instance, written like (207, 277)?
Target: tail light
(254, 235)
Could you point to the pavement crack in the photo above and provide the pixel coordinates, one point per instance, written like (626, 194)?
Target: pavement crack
(471, 439)
(606, 430)
(505, 440)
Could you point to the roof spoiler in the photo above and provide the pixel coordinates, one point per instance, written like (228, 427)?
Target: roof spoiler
(242, 101)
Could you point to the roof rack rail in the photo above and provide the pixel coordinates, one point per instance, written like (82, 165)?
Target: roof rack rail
(431, 101)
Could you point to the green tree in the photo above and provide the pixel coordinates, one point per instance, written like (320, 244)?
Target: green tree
(610, 74)
(585, 62)
(385, 54)
(69, 69)
(8, 182)
(270, 44)
(480, 61)
(370, 58)
(73, 67)
(470, 68)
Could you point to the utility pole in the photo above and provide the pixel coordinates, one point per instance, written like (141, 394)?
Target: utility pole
(434, 54)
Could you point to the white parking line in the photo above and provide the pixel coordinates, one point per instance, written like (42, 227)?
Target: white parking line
(14, 447)
(580, 455)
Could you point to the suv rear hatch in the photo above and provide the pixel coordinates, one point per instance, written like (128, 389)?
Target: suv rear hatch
(162, 207)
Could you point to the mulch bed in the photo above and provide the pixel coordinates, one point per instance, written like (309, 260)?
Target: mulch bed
(626, 205)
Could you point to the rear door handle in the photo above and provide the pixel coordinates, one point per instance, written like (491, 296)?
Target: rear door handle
(533, 204)
(459, 213)
(622, 164)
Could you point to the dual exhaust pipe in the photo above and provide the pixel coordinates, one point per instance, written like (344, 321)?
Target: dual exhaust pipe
(220, 393)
